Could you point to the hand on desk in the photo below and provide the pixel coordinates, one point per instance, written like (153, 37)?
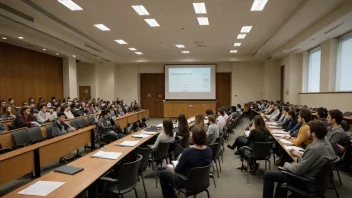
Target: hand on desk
(287, 137)
(295, 153)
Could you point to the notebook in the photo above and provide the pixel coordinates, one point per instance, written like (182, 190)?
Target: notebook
(69, 170)
(141, 136)
(107, 155)
(128, 143)
(286, 141)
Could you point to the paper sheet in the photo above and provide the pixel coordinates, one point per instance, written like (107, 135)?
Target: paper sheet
(149, 132)
(107, 155)
(285, 141)
(141, 136)
(279, 132)
(272, 123)
(279, 135)
(173, 164)
(41, 188)
(159, 125)
(128, 143)
(247, 133)
(296, 148)
(274, 127)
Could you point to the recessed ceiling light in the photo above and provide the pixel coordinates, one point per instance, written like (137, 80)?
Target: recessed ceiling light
(102, 27)
(237, 44)
(70, 5)
(139, 53)
(4, 38)
(44, 49)
(122, 42)
(180, 46)
(233, 51)
(74, 56)
(140, 9)
(199, 8)
(152, 22)
(132, 49)
(203, 20)
(57, 54)
(241, 36)
(258, 5)
(246, 29)
(20, 37)
(185, 52)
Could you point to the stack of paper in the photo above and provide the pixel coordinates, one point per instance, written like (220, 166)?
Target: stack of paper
(285, 141)
(272, 123)
(279, 132)
(128, 143)
(247, 133)
(296, 148)
(192, 119)
(274, 127)
(107, 155)
(149, 132)
(41, 188)
(279, 135)
(141, 136)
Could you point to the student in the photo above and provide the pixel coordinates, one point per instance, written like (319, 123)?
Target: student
(167, 135)
(322, 114)
(53, 113)
(199, 121)
(120, 110)
(293, 124)
(226, 116)
(43, 116)
(25, 119)
(303, 139)
(209, 112)
(315, 156)
(336, 133)
(11, 102)
(221, 120)
(3, 103)
(107, 129)
(91, 109)
(66, 110)
(284, 118)
(183, 130)
(213, 130)
(60, 127)
(133, 107)
(272, 117)
(113, 111)
(238, 109)
(198, 155)
(41, 101)
(7, 113)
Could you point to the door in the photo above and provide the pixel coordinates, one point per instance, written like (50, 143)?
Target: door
(152, 93)
(282, 83)
(84, 92)
(223, 89)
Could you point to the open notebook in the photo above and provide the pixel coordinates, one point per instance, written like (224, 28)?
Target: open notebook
(107, 155)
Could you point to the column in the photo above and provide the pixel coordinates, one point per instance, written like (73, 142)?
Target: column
(328, 65)
(70, 77)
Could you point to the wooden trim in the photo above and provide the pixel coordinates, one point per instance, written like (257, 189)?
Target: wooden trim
(339, 92)
(193, 101)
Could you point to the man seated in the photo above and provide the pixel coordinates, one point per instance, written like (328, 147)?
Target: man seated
(108, 131)
(221, 120)
(272, 117)
(313, 160)
(60, 127)
(337, 134)
(43, 116)
(213, 130)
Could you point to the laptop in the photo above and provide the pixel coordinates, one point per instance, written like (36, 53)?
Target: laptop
(69, 170)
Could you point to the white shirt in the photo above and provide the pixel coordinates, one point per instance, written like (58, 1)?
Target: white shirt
(221, 123)
(69, 115)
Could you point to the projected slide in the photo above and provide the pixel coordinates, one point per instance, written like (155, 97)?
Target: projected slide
(190, 79)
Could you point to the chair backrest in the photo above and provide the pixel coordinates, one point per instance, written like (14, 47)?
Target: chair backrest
(128, 174)
(345, 125)
(145, 153)
(11, 126)
(81, 123)
(35, 134)
(347, 113)
(49, 130)
(261, 150)
(185, 141)
(215, 149)
(178, 149)
(74, 123)
(162, 151)
(198, 179)
(91, 120)
(323, 178)
(21, 137)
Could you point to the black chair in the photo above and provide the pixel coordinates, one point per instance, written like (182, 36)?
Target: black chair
(21, 138)
(91, 120)
(197, 181)
(49, 131)
(216, 151)
(185, 140)
(158, 157)
(35, 135)
(11, 127)
(124, 180)
(222, 147)
(74, 123)
(145, 153)
(345, 125)
(259, 151)
(303, 187)
(175, 150)
(81, 123)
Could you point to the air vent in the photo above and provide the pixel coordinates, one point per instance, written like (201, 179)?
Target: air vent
(327, 32)
(16, 12)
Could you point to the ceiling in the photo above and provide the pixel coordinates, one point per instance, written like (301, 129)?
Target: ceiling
(59, 29)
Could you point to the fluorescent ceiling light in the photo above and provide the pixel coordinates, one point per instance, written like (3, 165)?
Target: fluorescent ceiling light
(203, 20)
(57, 54)
(20, 37)
(246, 29)
(122, 42)
(4, 38)
(74, 56)
(233, 51)
(258, 5)
(139, 53)
(185, 52)
(180, 46)
(237, 44)
(102, 27)
(70, 5)
(152, 22)
(199, 8)
(140, 9)
(132, 49)
(241, 36)
(44, 49)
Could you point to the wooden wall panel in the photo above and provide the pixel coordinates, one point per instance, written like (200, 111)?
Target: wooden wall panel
(25, 73)
(189, 108)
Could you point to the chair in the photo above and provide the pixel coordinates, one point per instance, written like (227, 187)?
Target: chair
(145, 153)
(175, 150)
(35, 135)
(222, 146)
(21, 137)
(345, 125)
(125, 180)
(317, 188)
(216, 150)
(260, 151)
(158, 157)
(91, 120)
(197, 181)
(11, 127)
(5, 150)
(185, 140)
(49, 131)
(81, 123)
(74, 123)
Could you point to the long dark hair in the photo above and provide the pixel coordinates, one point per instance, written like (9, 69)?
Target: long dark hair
(260, 124)
(182, 124)
(168, 127)
(199, 120)
(293, 115)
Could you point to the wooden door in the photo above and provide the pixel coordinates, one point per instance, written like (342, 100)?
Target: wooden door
(84, 92)
(152, 93)
(223, 89)
(282, 83)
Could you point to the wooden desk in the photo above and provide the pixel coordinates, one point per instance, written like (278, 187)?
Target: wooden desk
(124, 120)
(94, 168)
(348, 118)
(5, 123)
(133, 117)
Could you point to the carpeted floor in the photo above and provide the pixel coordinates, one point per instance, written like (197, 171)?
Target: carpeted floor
(232, 182)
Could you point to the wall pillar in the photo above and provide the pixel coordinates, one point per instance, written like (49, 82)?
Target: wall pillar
(328, 65)
(70, 77)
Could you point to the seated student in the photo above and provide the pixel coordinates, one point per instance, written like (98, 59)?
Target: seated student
(120, 110)
(91, 109)
(238, 109)
(183, 131)
(53, 113)
(199, 121)
(258, 133)
(226, 116)
(67, 111)
(221, 120)
(322, 114)
(213, 131)
(269, 109)
(25, 119)
(198, 155)
(336, 134)
(43, 116)
(113, 111)
(303, 139)
(284, 118)
(133, 107)
(291, 115)
(272, 117)
(167, 135)
(209, 112)
(11, 102)
(2, 103)
(7, 113)
(60, 127)
(315, 156)
(108, 129)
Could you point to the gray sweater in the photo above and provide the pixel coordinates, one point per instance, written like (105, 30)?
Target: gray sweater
(314, 158)
(337, 136)
(213, 133)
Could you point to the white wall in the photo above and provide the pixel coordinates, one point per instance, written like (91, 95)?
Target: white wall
(272, 77)
(341, 101)
(69, 77)
(86, 77)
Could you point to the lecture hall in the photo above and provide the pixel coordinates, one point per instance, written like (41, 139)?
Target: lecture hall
(176, 98)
